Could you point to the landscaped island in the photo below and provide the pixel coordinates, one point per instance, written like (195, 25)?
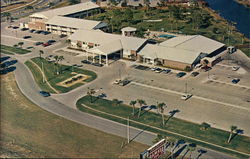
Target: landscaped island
(115, 110)
(58, 78)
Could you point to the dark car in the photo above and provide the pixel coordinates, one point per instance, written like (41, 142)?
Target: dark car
(51, 41)
(97, 64)
(38, 31)
(85, 62)
(46, 44)
(124, 82)
(45, 32)
(4, 58)
(166, 71)
(44, 94)
(38, 43)
(24, 29)
(180, 74)
(235, 80)
(102, 95)
(27, 37)
(15, 27)
(158, 70)
(6, 64)
(195, 74)
(32, 30)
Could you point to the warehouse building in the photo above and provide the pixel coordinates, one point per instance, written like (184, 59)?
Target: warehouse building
(181, 52)
(38, 20)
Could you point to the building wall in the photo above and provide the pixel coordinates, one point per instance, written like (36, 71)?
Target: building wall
(175, 64)
(37, 25)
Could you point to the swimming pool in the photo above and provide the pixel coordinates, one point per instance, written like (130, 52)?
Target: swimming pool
(166, 36)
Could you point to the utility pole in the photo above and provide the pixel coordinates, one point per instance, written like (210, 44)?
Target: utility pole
(128, 131)
(208, 74)
(186, 88)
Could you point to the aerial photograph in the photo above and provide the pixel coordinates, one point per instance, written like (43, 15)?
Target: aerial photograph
(125, 79)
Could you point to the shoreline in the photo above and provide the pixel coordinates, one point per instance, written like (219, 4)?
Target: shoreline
(245, 3)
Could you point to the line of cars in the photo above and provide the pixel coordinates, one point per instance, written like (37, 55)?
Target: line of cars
(45, 44)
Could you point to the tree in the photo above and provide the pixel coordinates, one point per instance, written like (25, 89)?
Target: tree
(128, 15)
(141, 102)
(161, 107)
(29, 8)
(7, 15)
(116, 101)
(133, 103)
(74, 1)
(60, 59)
(232, 129)
(90, 93)
(205, 126)
(56, 63)
(40, 53)
(20, 44)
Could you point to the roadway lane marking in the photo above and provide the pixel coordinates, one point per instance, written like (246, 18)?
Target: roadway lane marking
(194, 96)
(17, 38)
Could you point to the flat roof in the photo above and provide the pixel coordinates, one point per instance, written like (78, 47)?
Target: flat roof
(73, 22)
(109, 48)
(194, 43)
(65, 10)
(128, 29)
(98, 37)
(174, 54)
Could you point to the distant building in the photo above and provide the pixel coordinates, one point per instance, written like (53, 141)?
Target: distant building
(38, 20)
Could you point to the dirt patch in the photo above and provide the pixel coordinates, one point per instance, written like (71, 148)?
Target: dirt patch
(78, 78)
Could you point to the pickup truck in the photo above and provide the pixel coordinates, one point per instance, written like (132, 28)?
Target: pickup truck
(186, 96)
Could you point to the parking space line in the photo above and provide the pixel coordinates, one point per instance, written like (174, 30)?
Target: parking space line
(194, 96)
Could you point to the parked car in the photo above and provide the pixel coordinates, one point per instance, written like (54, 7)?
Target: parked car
(24, 29)
(62, 36)
(44, 94)
(51, 41)
(32, 30)
(27, 37)
(117, 81)
(180, 74)
(38, 43)
(197, 66)
(235, 68)
(195, 74)
(46, 44)
(38, 31)
(15, 27)
(4, 58)
(85, 62)
(158, 70)
(186, 96)
(102, 95)
(30, 47)
(97, 64)
(153, 68)
(235, 80)
(124, 82)
(45, 32)
(166, 71)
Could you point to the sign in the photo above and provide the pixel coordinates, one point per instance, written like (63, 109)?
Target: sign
(157, 150)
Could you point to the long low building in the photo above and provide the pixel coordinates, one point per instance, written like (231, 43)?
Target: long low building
(100, 43)
(181, 52)
(67, 25)
(81, 10)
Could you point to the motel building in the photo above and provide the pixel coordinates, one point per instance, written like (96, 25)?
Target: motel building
(55, 17)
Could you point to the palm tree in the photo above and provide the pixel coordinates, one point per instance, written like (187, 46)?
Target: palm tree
(141, 102)
(205, 126)
(56, 63)
(232, 129)
(191, 148)
(60, 58)
(90, 92)
(20, 44)
(116, 101)
(7, 15)
(161, 107)
(133, 103)
(40, 53)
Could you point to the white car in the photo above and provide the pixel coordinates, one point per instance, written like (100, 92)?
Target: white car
(118, 81)
(235, 68)
(186, 96)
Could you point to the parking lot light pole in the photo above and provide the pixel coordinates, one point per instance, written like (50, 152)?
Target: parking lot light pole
(43, 73)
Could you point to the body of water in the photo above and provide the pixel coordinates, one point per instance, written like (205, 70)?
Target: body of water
(233, 11)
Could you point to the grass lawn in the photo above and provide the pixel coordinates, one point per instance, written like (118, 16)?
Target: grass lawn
(12, 50)
(187, 21)
(212, 135)
(53, 78)
(28, 131)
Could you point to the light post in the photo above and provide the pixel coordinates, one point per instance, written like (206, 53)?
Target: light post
(43, 73)
(128, 132)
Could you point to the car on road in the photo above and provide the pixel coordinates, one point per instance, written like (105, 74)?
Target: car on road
(235, 68)
(85, 62)
(186, 96)
(44, 94)
(235, 80)
(24, 29)
(180, 74)
(38, 43)
(194, 74)
(46, 44)
(27, 37)
(166, 71)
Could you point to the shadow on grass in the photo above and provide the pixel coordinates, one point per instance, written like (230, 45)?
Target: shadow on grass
(172, 113)
(238, 131)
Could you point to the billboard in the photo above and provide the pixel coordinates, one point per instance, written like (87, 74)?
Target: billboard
(156, 151)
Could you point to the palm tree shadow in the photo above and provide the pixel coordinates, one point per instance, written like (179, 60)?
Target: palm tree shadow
(138, 134)
(177, 153)
(201, 152)
(238, 131)
(172, 113)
